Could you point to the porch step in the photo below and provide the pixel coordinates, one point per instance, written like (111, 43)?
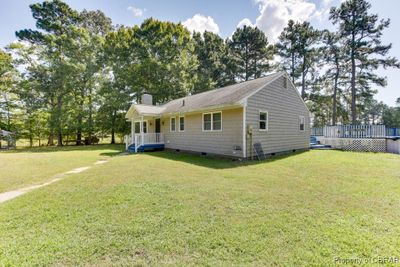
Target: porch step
(143, 148)
(131, 149)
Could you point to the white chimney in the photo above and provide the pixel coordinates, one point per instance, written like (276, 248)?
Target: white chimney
(147, 99)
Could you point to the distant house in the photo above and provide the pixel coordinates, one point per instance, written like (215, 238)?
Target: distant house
(266, 115)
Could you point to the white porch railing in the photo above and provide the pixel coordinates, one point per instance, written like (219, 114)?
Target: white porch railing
(128, 140)
(143, 139)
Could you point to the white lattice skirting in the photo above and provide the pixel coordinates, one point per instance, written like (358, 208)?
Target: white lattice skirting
(353, 144)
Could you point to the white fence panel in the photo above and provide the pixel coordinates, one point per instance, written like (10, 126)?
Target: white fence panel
(356, 144)
(352, 131)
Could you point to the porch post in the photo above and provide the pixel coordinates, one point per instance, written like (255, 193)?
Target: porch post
(132, 131)
(141, 130)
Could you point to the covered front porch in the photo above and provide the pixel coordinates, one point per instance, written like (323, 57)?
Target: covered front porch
(145, 130)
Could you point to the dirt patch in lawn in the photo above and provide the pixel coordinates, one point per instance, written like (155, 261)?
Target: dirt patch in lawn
(16, 193)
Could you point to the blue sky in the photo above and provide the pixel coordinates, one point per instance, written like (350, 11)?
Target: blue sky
(220, 16)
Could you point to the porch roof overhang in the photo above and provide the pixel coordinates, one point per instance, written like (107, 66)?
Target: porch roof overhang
(137, 110)
(143, 110)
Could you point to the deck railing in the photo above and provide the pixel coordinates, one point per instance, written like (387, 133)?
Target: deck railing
(143, 139)
(317, 131)
(353, 131)
(392, 131)
(128, 140)
(149, 138)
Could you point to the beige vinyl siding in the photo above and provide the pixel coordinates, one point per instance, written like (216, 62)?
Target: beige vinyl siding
(213, 142)
(150, 123)
(284, 106)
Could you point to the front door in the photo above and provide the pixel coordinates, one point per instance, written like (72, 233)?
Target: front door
(158, 126)
(158, 129)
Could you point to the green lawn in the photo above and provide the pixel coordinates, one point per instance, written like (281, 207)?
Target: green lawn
(24, 167)
(174, 209)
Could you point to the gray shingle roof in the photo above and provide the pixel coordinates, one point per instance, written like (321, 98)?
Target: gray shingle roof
(148, 109)
(225, 96)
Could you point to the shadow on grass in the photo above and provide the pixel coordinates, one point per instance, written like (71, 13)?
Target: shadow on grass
(112, 154)
(215, 162)
(46, 149)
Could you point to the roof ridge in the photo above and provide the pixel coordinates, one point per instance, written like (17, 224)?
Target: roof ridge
(220, 88)
(146, 105)
(227, 95)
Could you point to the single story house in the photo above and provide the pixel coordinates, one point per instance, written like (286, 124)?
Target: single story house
(264, 115)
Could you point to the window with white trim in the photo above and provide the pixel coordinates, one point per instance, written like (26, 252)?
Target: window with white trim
(212, 121)
(263, 121)
(145, 126)
(217, 121)
(302, 120)
(137, 126)
(207, 122)
(172, 124)
(181, 124)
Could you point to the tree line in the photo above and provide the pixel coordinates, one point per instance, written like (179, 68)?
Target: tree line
(76, 74)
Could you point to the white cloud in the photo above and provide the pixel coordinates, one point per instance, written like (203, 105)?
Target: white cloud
(323, 12)
(275, 14)
(137, 12)
(200, 23)
(245, 22)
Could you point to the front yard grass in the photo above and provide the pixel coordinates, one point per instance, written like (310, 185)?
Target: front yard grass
(25, 167)
(165, 208)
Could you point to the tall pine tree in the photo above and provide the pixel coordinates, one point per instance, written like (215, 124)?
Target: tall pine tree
(335, 69)
(361, 33)
(287, 48)
(297, 47)
(209, 48)
(249, 46)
